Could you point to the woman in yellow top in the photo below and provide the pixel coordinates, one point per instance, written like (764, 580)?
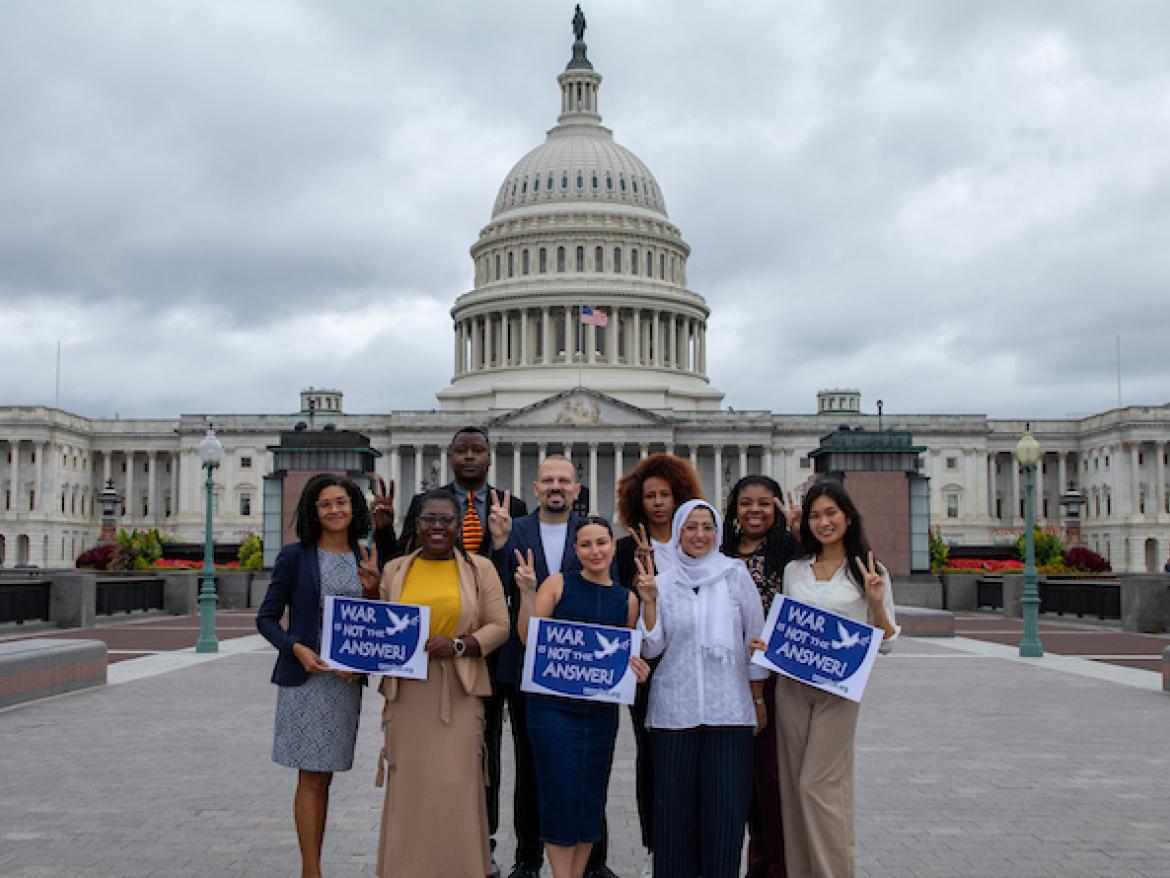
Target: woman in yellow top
(434, 818)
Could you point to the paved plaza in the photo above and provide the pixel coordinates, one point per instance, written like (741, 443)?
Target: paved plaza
(971, 762)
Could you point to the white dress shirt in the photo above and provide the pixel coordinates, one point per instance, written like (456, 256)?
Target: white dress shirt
(837, 594)
(690, 688)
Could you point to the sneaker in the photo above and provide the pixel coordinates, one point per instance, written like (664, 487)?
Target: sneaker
(648, 866)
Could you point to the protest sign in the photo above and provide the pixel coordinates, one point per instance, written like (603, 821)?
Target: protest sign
(822, 649)
(375, 637)
(578, 660)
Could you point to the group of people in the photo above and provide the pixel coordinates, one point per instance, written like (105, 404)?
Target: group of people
(721, 744)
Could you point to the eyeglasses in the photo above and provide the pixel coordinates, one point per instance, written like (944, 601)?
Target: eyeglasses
(429, 520)
(695, 528)
(341, 504)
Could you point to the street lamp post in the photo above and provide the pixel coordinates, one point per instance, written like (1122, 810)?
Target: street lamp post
(211, 453)
(1028, 454)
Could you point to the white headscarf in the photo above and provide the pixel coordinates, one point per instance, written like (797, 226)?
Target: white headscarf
(709, 576)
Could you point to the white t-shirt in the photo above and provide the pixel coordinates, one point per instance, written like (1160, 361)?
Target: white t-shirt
(552, 537)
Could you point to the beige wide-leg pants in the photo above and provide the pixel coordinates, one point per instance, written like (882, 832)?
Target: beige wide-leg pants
(814, 735)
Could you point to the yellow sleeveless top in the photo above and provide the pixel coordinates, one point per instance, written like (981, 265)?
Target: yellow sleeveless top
(435, 584)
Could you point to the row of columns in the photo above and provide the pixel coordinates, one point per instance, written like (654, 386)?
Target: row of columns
(506, 263)
(529, 337)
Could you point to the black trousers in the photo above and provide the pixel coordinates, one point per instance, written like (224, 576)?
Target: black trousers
(643, 764)
(702, 789)
(525, 808)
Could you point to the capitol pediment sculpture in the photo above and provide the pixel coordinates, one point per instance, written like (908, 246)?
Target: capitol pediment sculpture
(578, 412)
(579, 408)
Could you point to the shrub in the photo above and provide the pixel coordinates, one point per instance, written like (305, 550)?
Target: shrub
(1082, 558)
(251, 553)
(938, 551)
(1046, 544)
(97, 558)
(143, 548)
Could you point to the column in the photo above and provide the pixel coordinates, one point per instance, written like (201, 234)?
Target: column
(1135, 481)
(1061, 473)
(525, 352)
(567, 450)
(643, 451)
(545, 336)
(1160, 479)
(541, 453)
(476, 344)
(418, 469)
(14, 478)
(656, 338)
(590, 342)
(570, 337)
(151, 478)
(618, 467)
(174, 460)
(717, 494)
(766, 461)
(636, 340)
(1015, 465)
(491, 466)
(673, 352)
(458, 347)
(611, 334)
(517, 477)
(107, 459)
(592, 478)
(991, 484)
(445, 464)
(743, 463)
(695, 456)
(396, 478)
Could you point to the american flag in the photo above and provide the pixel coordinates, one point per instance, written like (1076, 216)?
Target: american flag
(590, 317)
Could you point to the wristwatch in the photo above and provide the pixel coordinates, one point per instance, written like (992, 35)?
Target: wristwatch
(459, 646)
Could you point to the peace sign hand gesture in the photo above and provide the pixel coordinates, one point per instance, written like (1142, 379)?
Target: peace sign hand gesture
(643, 548)
(368, 572)
(382, 509)
(525, 571)
(644, 580)
(500, 518)
(875, 586)
(791, 513)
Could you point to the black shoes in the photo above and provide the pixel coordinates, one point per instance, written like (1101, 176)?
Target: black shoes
(520, 871)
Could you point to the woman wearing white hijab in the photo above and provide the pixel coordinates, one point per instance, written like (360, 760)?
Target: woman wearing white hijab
(706, 700)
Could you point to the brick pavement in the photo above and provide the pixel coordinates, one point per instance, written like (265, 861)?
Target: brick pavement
(969, 763)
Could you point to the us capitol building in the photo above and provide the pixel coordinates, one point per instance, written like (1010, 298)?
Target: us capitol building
(579, 220)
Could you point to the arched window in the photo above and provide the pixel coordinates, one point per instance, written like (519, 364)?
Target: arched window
(524, 264)
(609, 182)
(550, 183)
(543, 260)
(617, 260)
(633, 261)
(594, 181)
(635, 185)
(599, 259)
(622, 183)
(649, 264)
(564, 181)
(560, 258)
(536, 184)
(580, 259)
(524, 187)
(497, 266)
(580, 180)
(511, 263)
(662, 266)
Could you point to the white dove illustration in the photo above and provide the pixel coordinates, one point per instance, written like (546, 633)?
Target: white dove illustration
(397, 623)
(608, 647)
(847, 640)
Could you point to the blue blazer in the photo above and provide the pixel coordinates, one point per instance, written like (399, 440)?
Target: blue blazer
(526, 535)
(296, 584)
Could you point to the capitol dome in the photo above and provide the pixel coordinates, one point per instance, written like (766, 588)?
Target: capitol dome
(580, 277)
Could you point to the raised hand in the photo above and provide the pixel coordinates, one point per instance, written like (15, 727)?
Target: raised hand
(382, 507)
(875, 586)
(644, 580)
(500, 518)
(792, 514)
(368, 571)
(525, 570)
(643, 548)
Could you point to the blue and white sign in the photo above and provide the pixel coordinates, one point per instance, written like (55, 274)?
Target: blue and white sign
(375, 637)
(577, 660)
(822, 649)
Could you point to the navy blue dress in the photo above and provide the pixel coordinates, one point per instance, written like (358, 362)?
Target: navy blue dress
(572, 741)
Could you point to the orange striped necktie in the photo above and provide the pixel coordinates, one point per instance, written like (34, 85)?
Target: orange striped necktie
(472, 529)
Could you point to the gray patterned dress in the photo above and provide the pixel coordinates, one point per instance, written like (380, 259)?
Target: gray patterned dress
(317, 722)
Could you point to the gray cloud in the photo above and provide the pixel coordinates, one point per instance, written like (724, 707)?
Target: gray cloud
(953, 206)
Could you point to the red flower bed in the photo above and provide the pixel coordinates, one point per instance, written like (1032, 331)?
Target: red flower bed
(984, 564)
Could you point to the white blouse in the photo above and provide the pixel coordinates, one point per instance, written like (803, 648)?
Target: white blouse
(689, 689)
(837, 594)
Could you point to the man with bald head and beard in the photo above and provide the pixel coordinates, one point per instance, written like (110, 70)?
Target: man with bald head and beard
(548, 533)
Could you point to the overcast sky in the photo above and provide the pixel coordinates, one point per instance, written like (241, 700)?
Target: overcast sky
(953, 206)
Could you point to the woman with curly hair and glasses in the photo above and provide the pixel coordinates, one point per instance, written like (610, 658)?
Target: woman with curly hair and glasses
(317, 708)
(758, 534)
(647, 497)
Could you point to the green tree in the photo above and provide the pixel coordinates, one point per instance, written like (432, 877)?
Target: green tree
(939, 551)
(251, 553)
(1047, 545)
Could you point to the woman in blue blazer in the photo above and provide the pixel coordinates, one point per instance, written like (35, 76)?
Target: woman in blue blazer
(317, 708)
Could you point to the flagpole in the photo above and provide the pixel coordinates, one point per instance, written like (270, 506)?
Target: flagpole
(580, 343)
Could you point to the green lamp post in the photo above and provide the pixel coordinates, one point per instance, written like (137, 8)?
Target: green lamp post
(211, 453)
(1028, 453)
